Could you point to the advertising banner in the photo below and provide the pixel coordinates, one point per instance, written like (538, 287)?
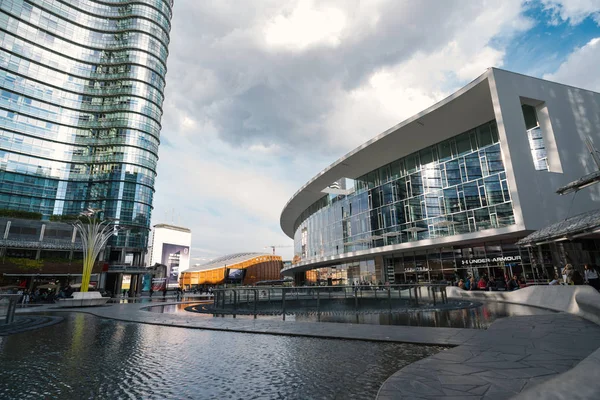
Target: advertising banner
(174, 255)
(158, 284)
(146, 282)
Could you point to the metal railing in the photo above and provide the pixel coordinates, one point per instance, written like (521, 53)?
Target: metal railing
(314, 299)
(8, 306)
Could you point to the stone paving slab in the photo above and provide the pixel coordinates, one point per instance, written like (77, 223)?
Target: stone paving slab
(384, 333)
(513, 355)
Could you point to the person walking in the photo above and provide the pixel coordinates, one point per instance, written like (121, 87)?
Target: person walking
(591, 276)
(567, 274)
(514, 283)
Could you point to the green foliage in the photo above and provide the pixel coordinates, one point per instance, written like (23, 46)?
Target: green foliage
(20, 214)
(60, 260)
(25, 263)
(69, 218)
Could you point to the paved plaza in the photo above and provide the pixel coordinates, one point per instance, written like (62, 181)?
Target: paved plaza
(513, 355)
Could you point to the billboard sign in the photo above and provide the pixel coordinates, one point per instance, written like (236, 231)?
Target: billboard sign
(174, 256)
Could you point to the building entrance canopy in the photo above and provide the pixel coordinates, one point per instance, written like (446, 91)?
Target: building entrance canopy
(581, 225)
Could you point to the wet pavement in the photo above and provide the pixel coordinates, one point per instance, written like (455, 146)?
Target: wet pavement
(515, 354)
(86, 357)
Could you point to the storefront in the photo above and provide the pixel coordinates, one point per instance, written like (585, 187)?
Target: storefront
(492, 259)
(575, 241)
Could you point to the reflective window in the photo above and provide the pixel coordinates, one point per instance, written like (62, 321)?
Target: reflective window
(81, 93)
(454, 187)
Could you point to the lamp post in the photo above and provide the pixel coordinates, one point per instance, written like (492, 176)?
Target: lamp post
(94, 236)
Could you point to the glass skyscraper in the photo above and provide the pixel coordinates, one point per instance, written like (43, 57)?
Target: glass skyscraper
(82, 85)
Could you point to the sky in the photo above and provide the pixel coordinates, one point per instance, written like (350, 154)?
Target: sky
(262, 95)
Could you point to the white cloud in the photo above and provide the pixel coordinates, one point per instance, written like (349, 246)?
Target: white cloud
(574, 11)
(580, 68)
(262, 95)
(308, 24)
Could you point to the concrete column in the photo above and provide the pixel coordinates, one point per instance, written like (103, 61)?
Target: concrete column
(118, 284)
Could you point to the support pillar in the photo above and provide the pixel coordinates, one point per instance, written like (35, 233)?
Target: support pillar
(118, 284)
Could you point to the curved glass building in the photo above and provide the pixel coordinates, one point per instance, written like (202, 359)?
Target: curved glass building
(82, 85)
(449, 192)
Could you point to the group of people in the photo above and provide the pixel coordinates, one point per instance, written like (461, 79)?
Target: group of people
(571, 276)
(45, 295)
(491, 283)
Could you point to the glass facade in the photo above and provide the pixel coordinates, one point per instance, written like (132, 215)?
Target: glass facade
(453, 187)
(449, 263)
(81, 98)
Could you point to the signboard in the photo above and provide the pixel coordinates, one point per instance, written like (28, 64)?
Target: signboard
(126, 282)
(495, 260)
(158, 284)
(174, 255)
(146, 282)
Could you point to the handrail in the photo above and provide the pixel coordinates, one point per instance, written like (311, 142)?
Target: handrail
(13, 300)
(248, 299)
(382, 286)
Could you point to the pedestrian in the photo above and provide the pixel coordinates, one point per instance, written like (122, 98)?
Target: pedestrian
(491, 284)
(164, 292)
(514, 283)
(577, 278)
(151, 292)
(554, 281)
(591, 276)
(482, 284)
(461, 284)
(567, 274)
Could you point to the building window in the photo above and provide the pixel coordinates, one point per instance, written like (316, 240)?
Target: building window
(536, 140)
(454, 187)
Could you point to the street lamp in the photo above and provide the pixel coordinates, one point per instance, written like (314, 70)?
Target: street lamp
(94, 236)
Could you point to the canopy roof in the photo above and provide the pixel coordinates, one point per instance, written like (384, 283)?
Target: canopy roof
(229, 260)
(579, 225)
(580, 183)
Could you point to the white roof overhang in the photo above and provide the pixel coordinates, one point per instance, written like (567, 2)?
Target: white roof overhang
(463, 110)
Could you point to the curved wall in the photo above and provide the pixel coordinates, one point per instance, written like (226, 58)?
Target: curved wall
(263, 267)
(81, 98)
(454, 187)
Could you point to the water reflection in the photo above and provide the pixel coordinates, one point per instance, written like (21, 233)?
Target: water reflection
(479, 316)
(87, 358)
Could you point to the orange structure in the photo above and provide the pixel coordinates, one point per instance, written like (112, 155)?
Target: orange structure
(241, 268)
